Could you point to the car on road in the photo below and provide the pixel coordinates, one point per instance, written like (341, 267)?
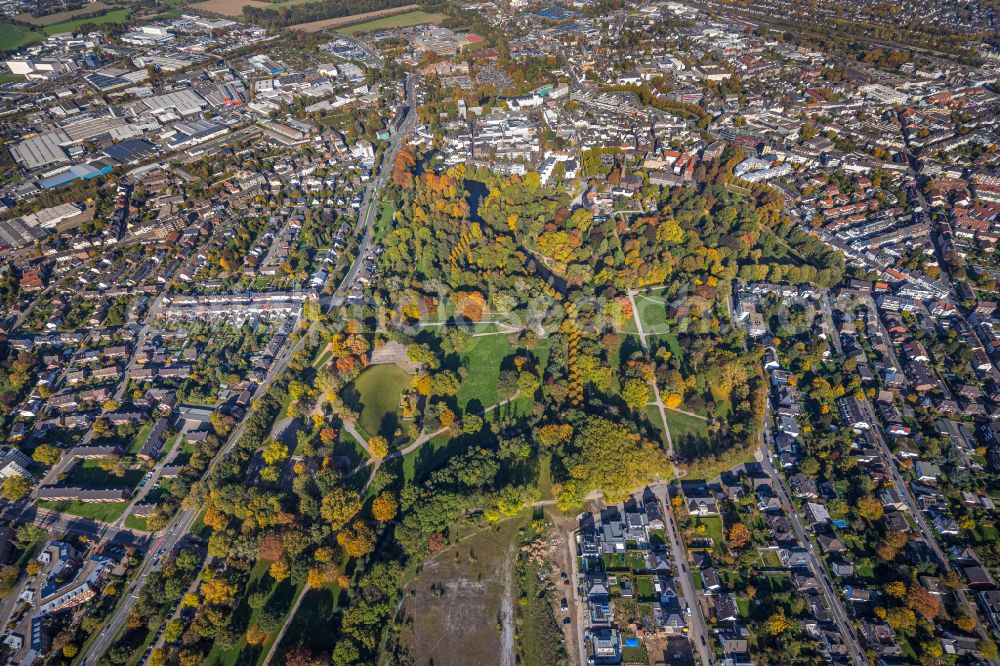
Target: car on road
(564, 605)
(567, 620)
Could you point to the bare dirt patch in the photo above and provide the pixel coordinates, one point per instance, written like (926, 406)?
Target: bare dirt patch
(457, 611)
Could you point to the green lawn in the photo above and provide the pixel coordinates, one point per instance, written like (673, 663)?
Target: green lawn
(107, 512)
(545, 477)
(323, 360)
(135, 523)
(350, 448)
(770, 559)
(416, 464)
(483, 360)
(688, 433)
(316, 609)
(87, 474)
(653, 413)
(140, 439)
(713, 528)
(397, 21)
(652, 312)
(116, 16)
(13, 37)
(375, 394)
(383, 225)
(281, 596)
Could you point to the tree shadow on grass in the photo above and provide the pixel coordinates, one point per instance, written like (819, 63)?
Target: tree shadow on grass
(352, 397)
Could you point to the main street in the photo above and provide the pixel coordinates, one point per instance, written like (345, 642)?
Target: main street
(186, 517)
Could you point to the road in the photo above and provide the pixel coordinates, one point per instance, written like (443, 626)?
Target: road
(182, 523)
(58, 523)
(697, 627)
(186, 517)
(926, 532)
(370, 201)
(830, 597)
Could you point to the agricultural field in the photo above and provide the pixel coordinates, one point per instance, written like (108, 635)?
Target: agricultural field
(116, 16)
(228, 8)
(59, 17)
(394, 21)
(465, 590)
(339, 21)
(13, 37)
(234, 8)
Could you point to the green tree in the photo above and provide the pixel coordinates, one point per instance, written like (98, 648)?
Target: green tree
(15, 488)
(46, 454)
(635, 393)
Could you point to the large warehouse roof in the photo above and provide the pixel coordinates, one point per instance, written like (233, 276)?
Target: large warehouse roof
(41, 150)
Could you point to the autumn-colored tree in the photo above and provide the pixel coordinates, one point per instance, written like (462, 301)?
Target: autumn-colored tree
(554, 434)
(384, 507)
(339, 506)
(215, 519)
(673, 400)
(218, 591)
(777, 624)
(322, 575)
(357, 539)
(739, 536)
(966, 621)
(14, 488)
(436, 542)
(70, 650)
(46, 454)
(895, 589)
(275, 452)
(191, 600)
(324, 554)
(920, 600)
(635, 393)
(901, 619)
(255, 635)
(378, 446)
(890, 546)
(299, 656)
(869, 508)
(272, 547)
(279, 571)
(328, 436)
